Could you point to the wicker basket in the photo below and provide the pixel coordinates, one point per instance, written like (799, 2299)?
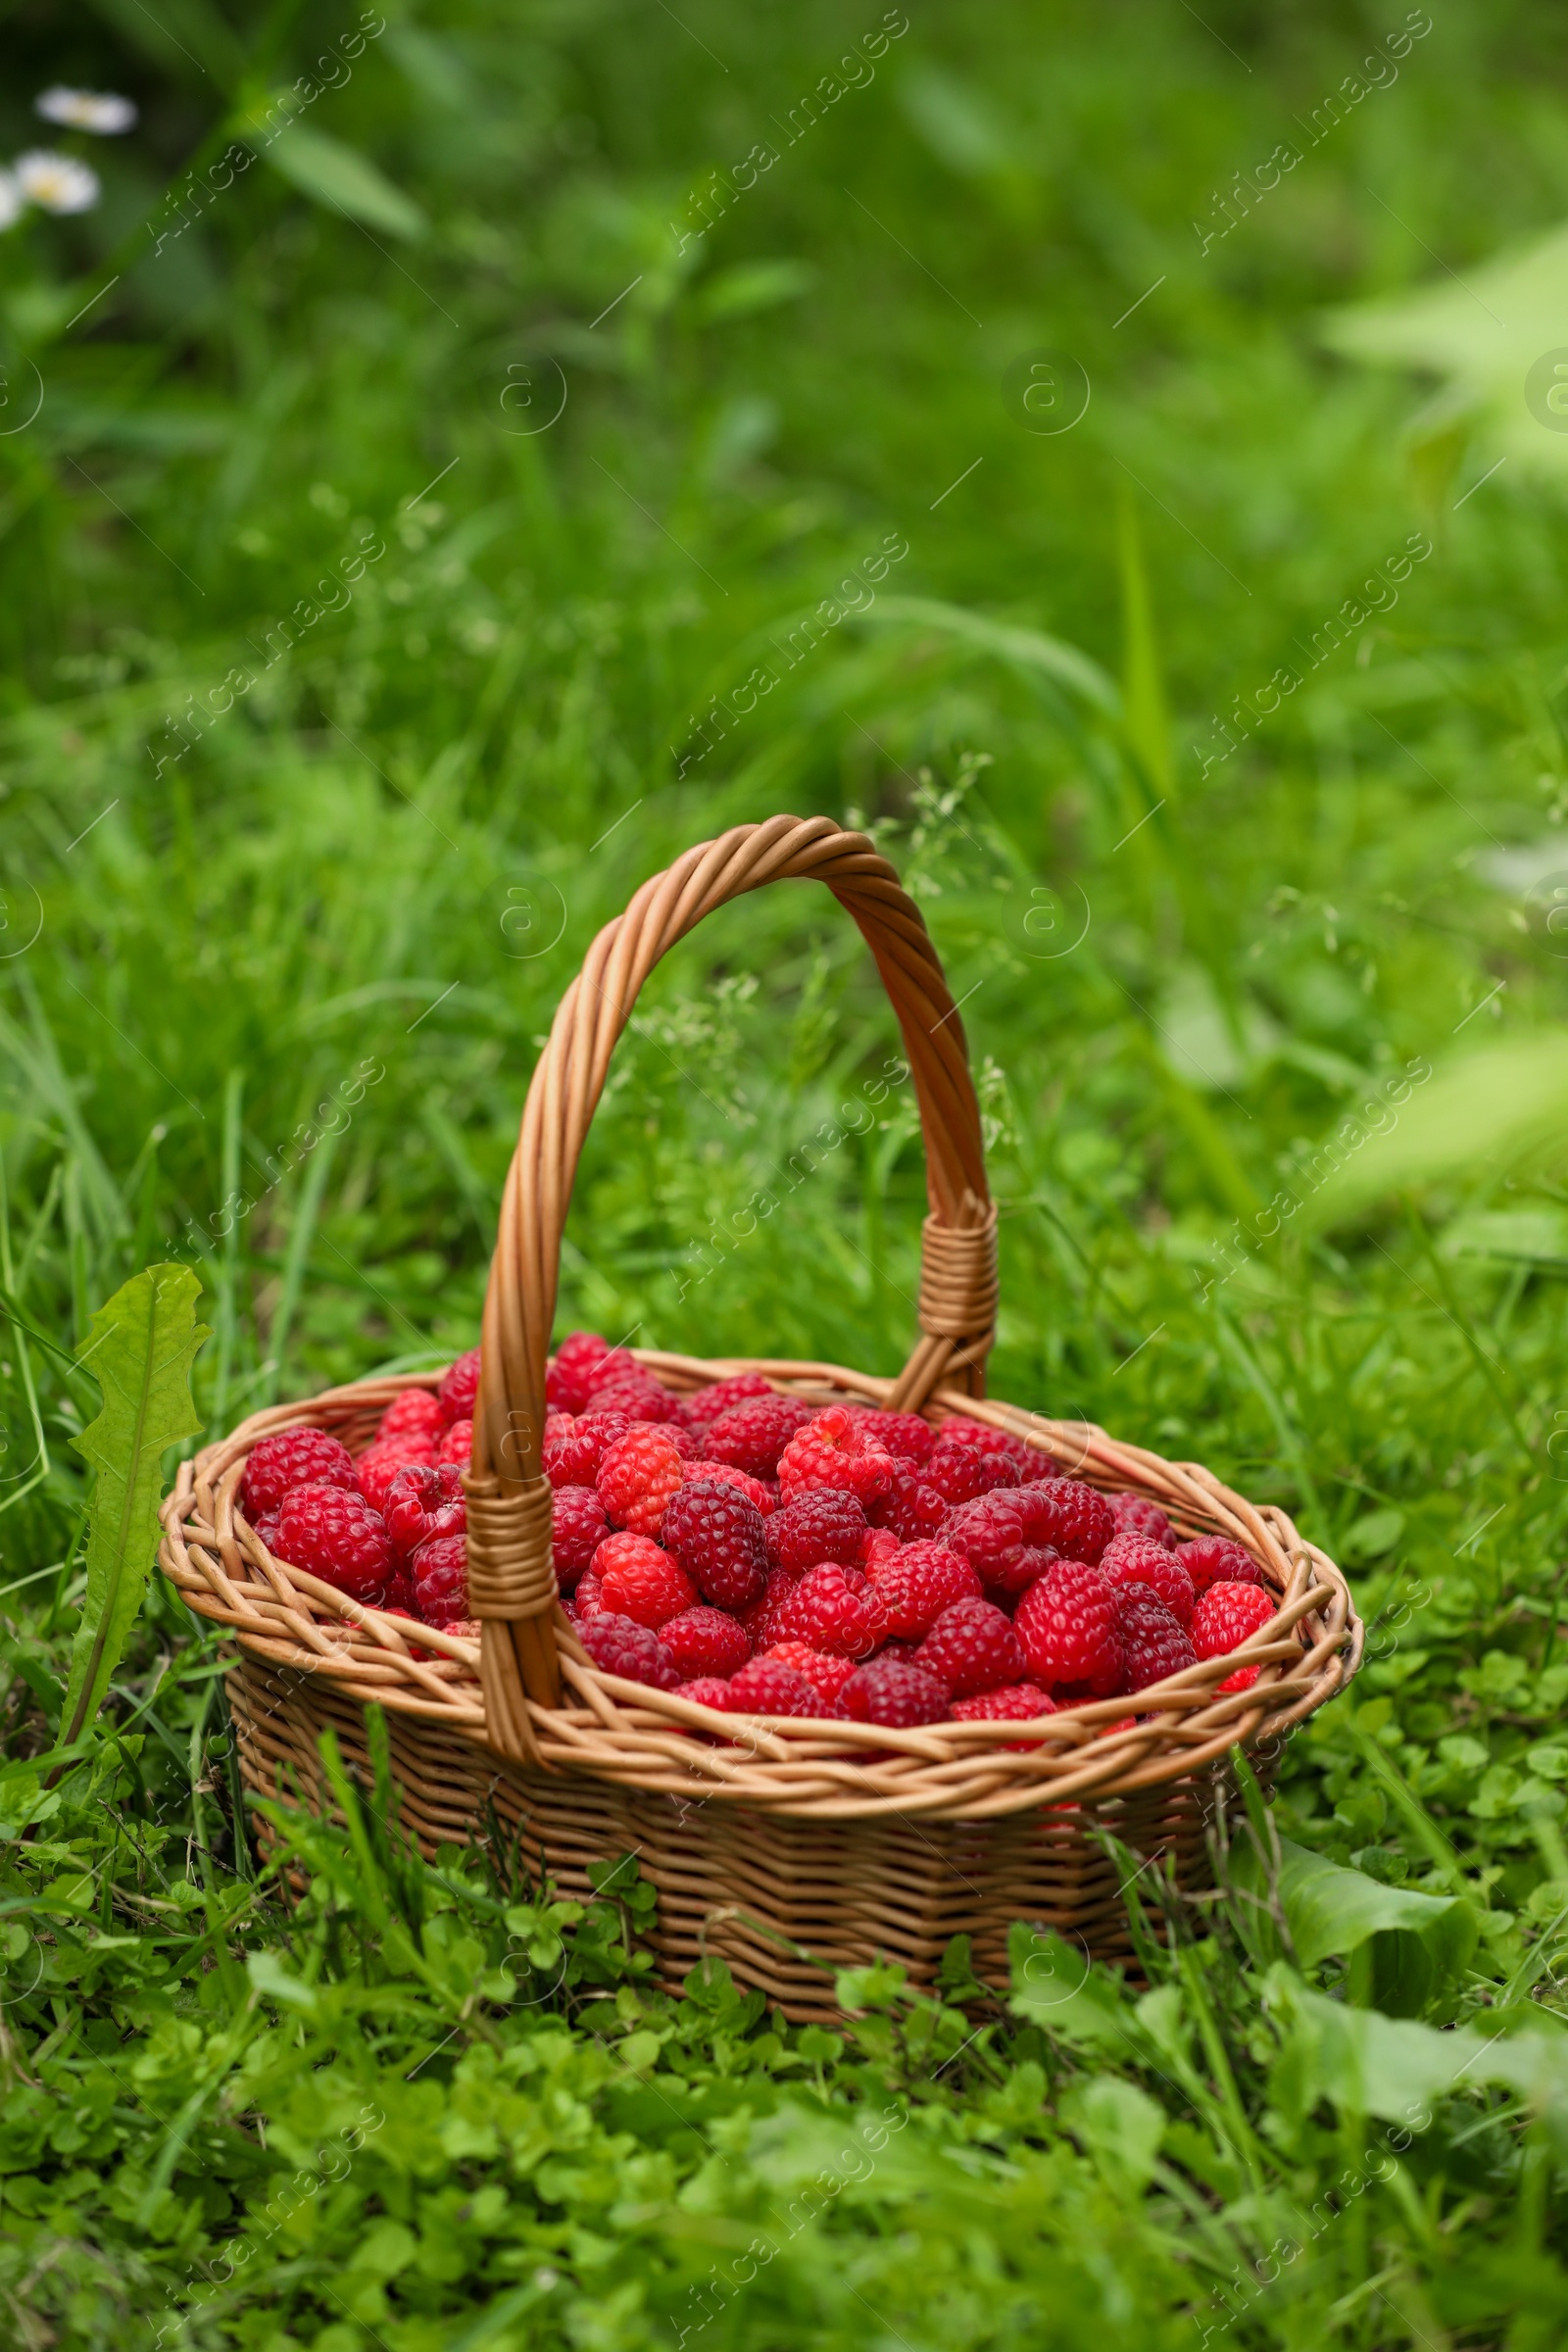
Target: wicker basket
(787, 1847)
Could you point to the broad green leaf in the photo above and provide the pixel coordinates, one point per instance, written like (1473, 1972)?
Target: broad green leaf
(1028, 650)
(1056, 1985)
(1120, 2125)
(342, 180)
(139, 1349)
(1418, 1940)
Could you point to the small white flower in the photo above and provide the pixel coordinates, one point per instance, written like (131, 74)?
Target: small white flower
(11, 201)
(57, 184)
(98, 111)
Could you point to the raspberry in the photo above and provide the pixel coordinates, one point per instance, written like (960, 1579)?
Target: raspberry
(588, 1600)
(638, 1579)
(971, 1647)
(416, 1413)
(899, 1696)
(826, 1675)
(440, 1569)
(833, 1450)
(825, 1525)
(1019, 1703)
(637, 1477)
(266, 1527)
(457, 1445)
(725, 1474)
(1214, 1560)
(619, 1646)
(956, 1431)
(706, 1642)
(717, 1537)
(578, 1526)
(337, 1536)
(766, 1686)
(1136, 1515)
(1154, 1642)
(959, 1472)
(573, 1451)
(881, 1545)
(1066, 1622)
(459, 1390)
(709, 1690)
(764, 1619)
(918, 1582)
(634, 1393)
(836, 1609)
(911, 1508)
(379, 1464)
(700, 1411)
(1228, 1615)
(1132, 1559)
(1067, 1515)
(1242, 1680)
(989, 1532)
(905, 1436)
(751, 1437)
(687, 1443)
(422, 1503)
(898, 1653)
(294, 1457)
(571, 1374)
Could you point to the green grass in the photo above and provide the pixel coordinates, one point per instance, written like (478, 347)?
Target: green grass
(353, 899)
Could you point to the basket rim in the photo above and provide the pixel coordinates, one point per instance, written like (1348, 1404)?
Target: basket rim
(628, 1733)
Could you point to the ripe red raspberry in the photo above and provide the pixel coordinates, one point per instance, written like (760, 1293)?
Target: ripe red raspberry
(637, 1477)
(834, 1450)
(401, 1599)
(751, 1437)
(826, 1675)
(460, 1389)
(1242, 1680)
(919, 1582)
(709, 1690)
(440, 1569)
(574, 1450)
(638, 1579)
(1067, 1515)
(1153, 1641)
(836, 1609)
(422, 1503)
(1216, 1560)
(764, 1619)
(457, 1445)
(572, 1370)
(635, 1393)
(1068, 1624)
(899, 1696)
(706, 1642)
(687, 1443)
(266, 1527)
(1131, 1559)
(416, 1413)
(587, 1601)
(971, 1647)
(881, 1544)
(1136, 1515)
(379, 1464)
(766, 1686)
(619, 1646)
(700, 1411)
(579, 1525)
(910, 1508)
(1019, 1703)
(717, 1537)
(725, 1474)
(337, 1536)
(825, 1525)
(905, 1436)
(989, 1532)
(1229, 1615)
(294, 1457)
(958, 1431)
(959, 1472)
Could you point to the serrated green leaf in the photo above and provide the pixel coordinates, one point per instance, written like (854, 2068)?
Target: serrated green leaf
(342, 180)
(140, 1349)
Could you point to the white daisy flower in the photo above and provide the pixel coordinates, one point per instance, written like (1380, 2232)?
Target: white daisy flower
(57, 184)
(98, 111)
(12, 200)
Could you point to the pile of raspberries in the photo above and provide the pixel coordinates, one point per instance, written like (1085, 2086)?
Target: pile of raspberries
(764, 1556)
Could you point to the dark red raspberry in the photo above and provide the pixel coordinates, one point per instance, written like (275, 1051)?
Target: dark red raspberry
(717, 1537)
(761, 1490)
(638, 1579)
(337, 1536)
(401, 1599)
(898, 1696)
(1228, 1615)
(828, 1525)
(826, 1675)
(1136, 1515)
(971, 1647)
(637, 1477)
(458, 1445)
(902, 1653)
(635, 1393)
(1153, 1643)
(1019, 1703)
(910, 1509)
(905, 1435)
(989, 1532)
(619, 1646)
(588, 1600)
(834, 1609)
(440, 1571)
(918, 1582)
(765, 1687)
(1216, 1560)
(708, 1691)
(764, 1619)
(579, 1524)
(378, 1465)
(574, 1451)
(416, 1413)
(685, 1440)
(573, 1369)
(751, 1437)
(421, 1503)
(706, 1642)
(960, 1472)
(1131, 1559)
(700, 1411)
(459, 1390)
(1066, 1622)
(958, 1431)
(834, 1450)
(1067, 1515)
(266, 1527)
(294, 1457)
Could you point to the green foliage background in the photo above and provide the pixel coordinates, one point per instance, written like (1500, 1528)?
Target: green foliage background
(268, 1004)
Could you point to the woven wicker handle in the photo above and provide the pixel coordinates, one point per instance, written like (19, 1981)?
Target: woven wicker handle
(511, 1581)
